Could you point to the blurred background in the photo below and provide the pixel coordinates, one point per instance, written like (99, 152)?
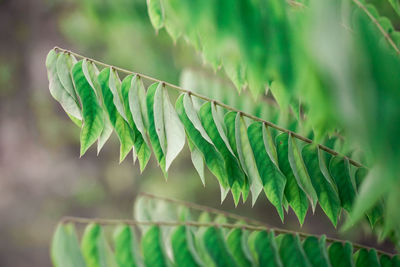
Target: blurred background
(42, 177)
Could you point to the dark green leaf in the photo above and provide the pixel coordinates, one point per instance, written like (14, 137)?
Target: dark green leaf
(125, 246)
(316, 251)
(152, 248)
(216, 247)
(183, 254)
(291, 251)
(364, 257)
(340, 254)
(264, 249)
(235, 246)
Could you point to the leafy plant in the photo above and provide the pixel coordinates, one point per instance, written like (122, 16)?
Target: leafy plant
(264, 48)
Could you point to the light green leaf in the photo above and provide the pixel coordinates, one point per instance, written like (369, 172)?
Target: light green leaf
(229, 121)
(121, 126)
(293, 192)
(155, 142)
(169, 128)
(315, 251)
(291, 252)
(365, 257)
(152, 248)
(93, 123)
(340, 254)
(264, 249)
(246, 157)
(300, 172)
(340, 170)
(125, 246)
(95, 248)
(65, 250)
(327, 196)
(156, 13)
(272, 178)
(213, 128)
(235, 246)
(57, 89)
(130, 95)
(64, 67)
(114, 84)
(396, 5)
(201, 140)
(197, 160)
(183, 255)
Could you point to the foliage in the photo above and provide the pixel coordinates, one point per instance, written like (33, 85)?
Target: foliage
(245, 155)
(179, 234)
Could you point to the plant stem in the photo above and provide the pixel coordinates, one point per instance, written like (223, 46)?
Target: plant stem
(101, 221)
(270, 124)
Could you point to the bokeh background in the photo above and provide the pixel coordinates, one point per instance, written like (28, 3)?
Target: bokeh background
(42, 177)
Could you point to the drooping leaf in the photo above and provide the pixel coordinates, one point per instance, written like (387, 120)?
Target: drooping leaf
(125, 246)
(216, 247)
(169, 128)
(272, 178)
(247, 158)
(229, 121)
(293, 192)
(300, 172)
(364, 257)
(180, 245)
(235, 246)
(201, 140)
(156, 13)
(121, 126)
(64, 66)
(213, 127)
(197, 160)
(92, 113)
(291, 251)
(155, 142)
(57, 90)
(138, 110)
(95, 248)
(340, 254)
(340, 170)
(152, 248)
(264, 249)
(327, 195)
(316, 252)
(65, 250)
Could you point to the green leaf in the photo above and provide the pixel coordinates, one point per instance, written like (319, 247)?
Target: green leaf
(396, 5)
(264, 249)
(327, 196)
(340, 254)
(272, 178)
(216, 247)
(300, 172)
(152, 248)
(95, 248)
(293, 192)
(114, 85)
(138, 111)
(121, 126)
(340, 170)
(199, 239)
(183, 255)
(229, 121)
(364, 257)
(197, 160)
(315, 251)
(202, 141)
(64, 65)
(93, 123)
(65, 250)
(213, 127)
(246, 157)
(155, 142)
(57, 90)
(156, 13)
(234, 241)
(169, 128)
(125, 246)
(291, 251)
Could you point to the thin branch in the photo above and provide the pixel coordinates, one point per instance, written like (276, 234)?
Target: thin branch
(205, 208)
(101, 221)
(270, 124)
(378, 25)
